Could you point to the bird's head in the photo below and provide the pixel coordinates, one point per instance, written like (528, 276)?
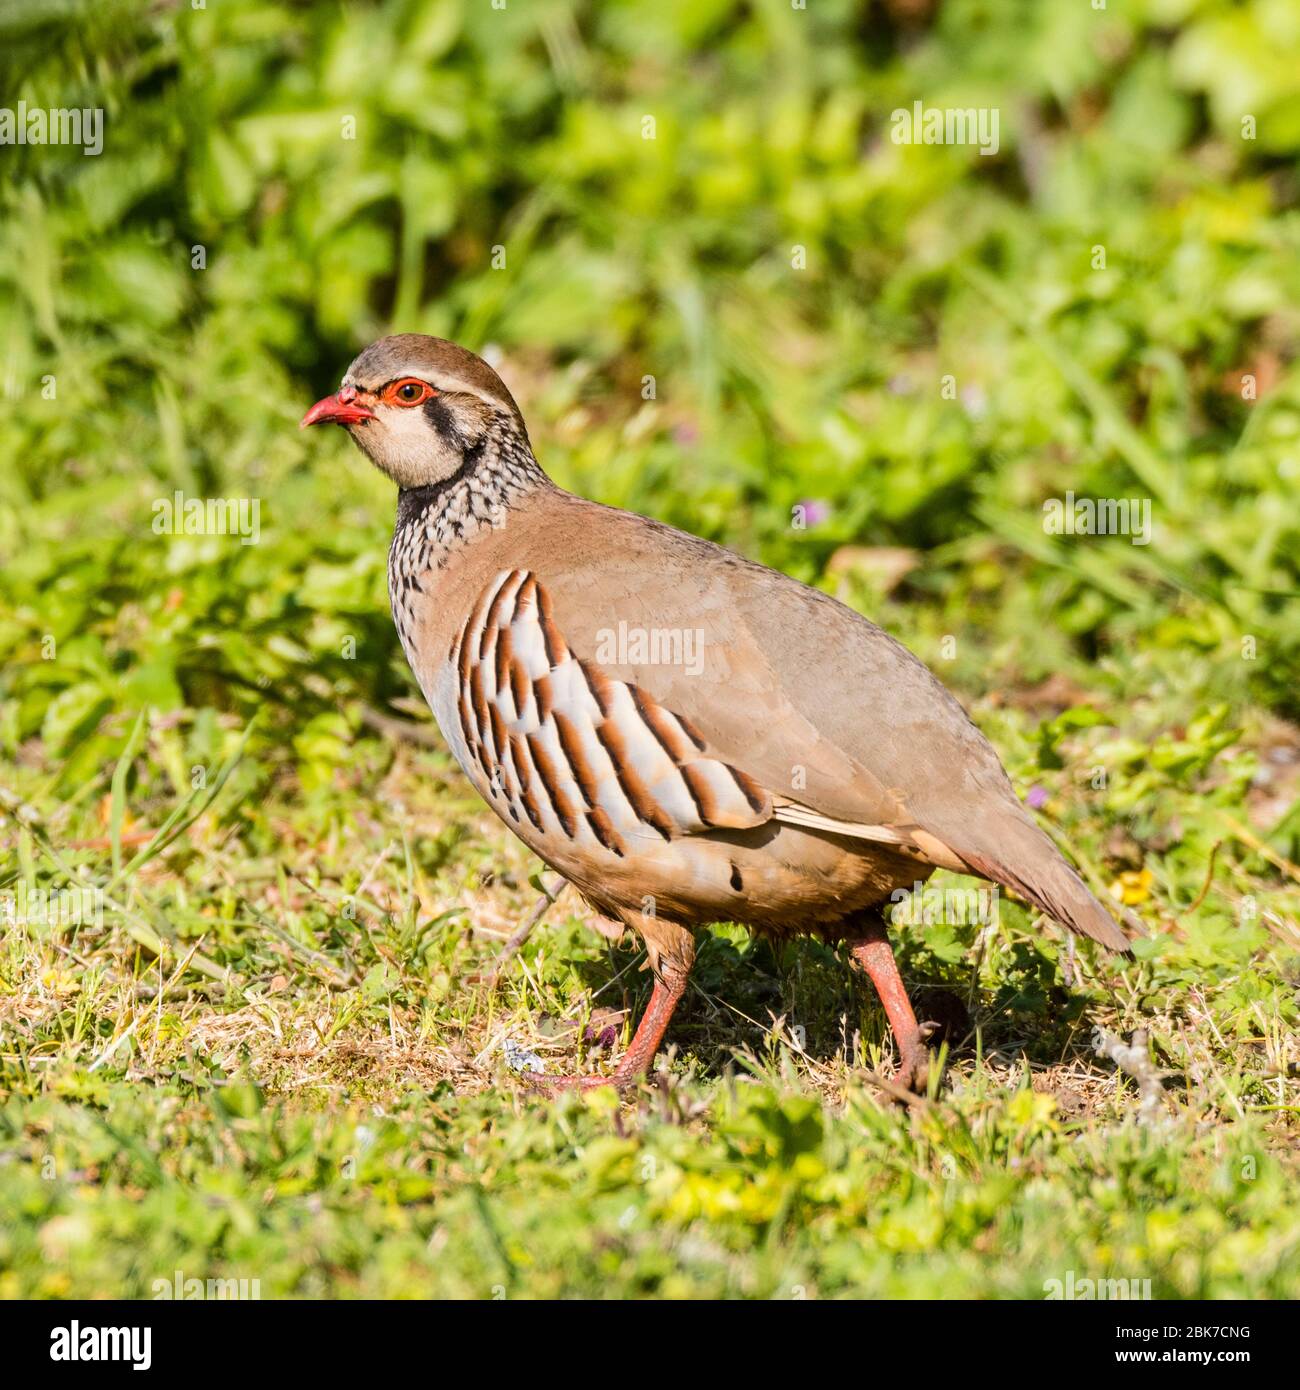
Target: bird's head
(421, 408)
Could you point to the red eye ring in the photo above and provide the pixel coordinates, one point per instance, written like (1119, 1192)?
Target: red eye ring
(408, 392)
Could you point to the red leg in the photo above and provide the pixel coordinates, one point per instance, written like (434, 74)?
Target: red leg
(875, 955)
(636, 1061)
(650, 1031)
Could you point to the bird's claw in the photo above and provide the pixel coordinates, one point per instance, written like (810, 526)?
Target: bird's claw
(914, 1062)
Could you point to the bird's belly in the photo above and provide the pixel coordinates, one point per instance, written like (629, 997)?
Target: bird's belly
(776, 879)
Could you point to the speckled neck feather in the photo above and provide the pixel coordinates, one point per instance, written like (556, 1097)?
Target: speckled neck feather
(436, 520)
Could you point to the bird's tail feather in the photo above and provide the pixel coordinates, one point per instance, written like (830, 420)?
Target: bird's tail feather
(1031, 865)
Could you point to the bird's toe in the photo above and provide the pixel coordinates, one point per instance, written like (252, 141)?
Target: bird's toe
(914, 1065)
(557, 1085)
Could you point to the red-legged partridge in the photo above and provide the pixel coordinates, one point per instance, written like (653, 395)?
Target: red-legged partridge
(686, 736)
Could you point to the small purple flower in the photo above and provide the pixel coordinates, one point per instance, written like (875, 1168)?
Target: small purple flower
(813, 511)
(1037, 797)
(604, 1037)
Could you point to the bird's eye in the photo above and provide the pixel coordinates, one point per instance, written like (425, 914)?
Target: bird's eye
(409, 392)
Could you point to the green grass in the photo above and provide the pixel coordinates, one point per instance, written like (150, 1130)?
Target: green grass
(331, 1112)
(272, 1055)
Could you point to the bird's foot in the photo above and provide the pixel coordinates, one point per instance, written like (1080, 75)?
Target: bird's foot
(592, 1081)
(914, 1060)
(914, 1070)
(640, 1055)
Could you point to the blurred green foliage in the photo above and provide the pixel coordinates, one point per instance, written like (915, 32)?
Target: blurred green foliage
(446, 1198)
(281, 183)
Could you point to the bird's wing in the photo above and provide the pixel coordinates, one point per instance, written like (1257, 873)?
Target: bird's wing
(564, 744)
(830, 716)
(574, 750)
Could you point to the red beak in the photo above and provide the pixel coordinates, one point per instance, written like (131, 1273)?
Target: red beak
(335, 410)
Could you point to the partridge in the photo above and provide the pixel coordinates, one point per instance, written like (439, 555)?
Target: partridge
(684, 735)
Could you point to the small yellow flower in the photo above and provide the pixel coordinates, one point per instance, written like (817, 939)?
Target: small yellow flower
(1133, 886)
(60, 981)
